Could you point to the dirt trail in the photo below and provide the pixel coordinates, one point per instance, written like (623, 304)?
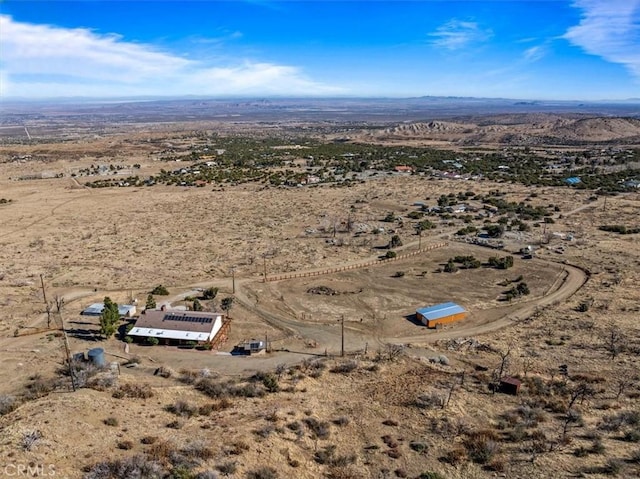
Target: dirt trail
(573, 279)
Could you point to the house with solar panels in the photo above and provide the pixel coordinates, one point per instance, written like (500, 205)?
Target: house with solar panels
(440, 314)
(178, 327)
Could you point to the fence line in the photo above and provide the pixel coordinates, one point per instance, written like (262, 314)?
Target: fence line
(339, 269)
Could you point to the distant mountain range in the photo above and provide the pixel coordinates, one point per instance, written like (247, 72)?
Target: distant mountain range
(375, 110)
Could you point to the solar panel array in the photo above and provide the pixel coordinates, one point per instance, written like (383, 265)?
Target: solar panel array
(191, 319)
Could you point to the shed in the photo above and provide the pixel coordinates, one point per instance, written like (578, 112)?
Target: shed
(250, 347)
(438, 314)
(124, 310)
(509, 385)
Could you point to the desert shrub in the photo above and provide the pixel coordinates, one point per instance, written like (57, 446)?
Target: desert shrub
(111, 421)
(227, 468)
(389, 441)
(7, 404)
(319, 429)
(531, 416)
(213, 388)
(207, 409)
(327, 456)
(160, 291)
(390, 422)
(197, 449)
(238, 447)
(345, 367)
(264, 472)
(432, 400)
(270, 382)
(137, 466)
(616, 421)
(39, 387)
(341, 421)
(177, 424)
(581, 452)
(497, 464)
(182, 408)
(455, 456)
(249, 390)
(419, 446)
(613, 466)
(264, 431)
(394, 453)
(148, 440)
(30, 439)
(294, 426)
(138, 391)
(635, 457)
(161, 451)
(481, 446)
(597, 447)
(450, 267)
(124, 445)
(206, 475)
(632, 435)
(430, 475)
(389, 255)
(517, 434)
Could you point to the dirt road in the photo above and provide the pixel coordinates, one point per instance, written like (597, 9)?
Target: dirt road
(571, 280)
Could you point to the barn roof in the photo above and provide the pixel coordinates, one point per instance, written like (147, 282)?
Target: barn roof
(439, 311)
(512, 381)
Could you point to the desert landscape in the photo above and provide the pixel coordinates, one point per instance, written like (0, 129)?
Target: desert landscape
(319, 228)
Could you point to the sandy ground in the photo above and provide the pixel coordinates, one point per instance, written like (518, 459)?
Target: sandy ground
(88, 244)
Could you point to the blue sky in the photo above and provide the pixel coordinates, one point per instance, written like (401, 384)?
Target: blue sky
(537, 49)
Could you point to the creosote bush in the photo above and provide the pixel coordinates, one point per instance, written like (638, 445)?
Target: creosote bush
(345, 367)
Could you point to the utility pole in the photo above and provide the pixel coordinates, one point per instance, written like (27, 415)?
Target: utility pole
(264, 267)
(67, 351)
(604, 207)
(419, 238)
(46, 303)
(233, 280)
(342, 332)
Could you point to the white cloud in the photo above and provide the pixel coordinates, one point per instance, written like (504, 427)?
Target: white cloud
(44, 60)
(609, 29)
(457, 34)
(534, 54)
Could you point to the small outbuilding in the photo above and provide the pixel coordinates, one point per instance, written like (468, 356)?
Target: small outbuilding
(439, 314)
(509, 385)
(124, 310)
(250, 347)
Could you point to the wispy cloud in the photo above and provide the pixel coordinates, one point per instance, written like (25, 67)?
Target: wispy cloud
(457, 34)
(44, 60)
(534, 54)
(609, 29)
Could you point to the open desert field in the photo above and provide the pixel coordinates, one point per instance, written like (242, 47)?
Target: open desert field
(117, 211)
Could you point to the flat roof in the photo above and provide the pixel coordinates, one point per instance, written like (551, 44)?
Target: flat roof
(96, 309)
(440, 310)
